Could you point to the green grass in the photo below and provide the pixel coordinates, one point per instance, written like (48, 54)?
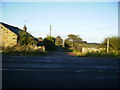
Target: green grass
(28, 52)
(100, 55)
(92, 54)
(23, 50)
(34, 53)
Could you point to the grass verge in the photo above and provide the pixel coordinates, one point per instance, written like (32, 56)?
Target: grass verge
(34, 53)
(28, 52)
(90, 54)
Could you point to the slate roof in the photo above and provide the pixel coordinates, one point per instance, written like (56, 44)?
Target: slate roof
(16, 30)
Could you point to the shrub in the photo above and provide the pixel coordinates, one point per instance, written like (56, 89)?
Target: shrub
(49, 43)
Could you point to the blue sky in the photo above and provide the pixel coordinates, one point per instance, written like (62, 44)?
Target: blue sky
(92, 21)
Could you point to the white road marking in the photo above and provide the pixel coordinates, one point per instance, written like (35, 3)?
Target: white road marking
(58, 70)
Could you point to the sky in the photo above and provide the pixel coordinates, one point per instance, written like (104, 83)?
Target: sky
(92, 21)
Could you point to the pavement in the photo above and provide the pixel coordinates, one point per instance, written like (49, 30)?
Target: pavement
(58, 70)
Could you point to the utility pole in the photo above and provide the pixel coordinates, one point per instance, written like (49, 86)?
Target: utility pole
(50, 30)
(108, 42)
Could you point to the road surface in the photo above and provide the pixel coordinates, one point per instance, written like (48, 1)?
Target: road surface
(59, 70)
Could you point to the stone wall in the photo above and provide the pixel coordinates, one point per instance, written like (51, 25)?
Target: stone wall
(8, 38)
(89, 50)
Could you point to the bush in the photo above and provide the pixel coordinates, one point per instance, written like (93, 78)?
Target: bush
(114, 43)
(49, 43)
(25, 39)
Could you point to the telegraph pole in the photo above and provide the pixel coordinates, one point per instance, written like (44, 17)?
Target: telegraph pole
(108, 42)
(50, 30)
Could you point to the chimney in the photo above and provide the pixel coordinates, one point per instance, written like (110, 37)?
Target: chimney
(25, 28)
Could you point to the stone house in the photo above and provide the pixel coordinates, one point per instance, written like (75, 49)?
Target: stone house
(10, 34)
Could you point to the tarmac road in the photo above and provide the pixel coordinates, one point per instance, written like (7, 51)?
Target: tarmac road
(59, 70)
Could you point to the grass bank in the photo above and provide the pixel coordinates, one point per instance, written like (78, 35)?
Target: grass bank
(35, 53)
(24, 50)
(89, 54)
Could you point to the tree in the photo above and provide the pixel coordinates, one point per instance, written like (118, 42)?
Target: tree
(73, 40)
(67, 44)
(25, 38)
(49, 43)
(58, 41)
(114, 43)
(74, 37)
(40, 38)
